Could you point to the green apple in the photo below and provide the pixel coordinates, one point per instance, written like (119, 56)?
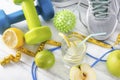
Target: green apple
(44, 59)
(113, 63)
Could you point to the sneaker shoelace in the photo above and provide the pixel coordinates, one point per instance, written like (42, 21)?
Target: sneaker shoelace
(100, 8)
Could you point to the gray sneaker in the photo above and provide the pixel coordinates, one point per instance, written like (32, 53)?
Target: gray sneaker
(102, 17)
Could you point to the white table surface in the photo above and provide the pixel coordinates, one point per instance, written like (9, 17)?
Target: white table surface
(22, 70)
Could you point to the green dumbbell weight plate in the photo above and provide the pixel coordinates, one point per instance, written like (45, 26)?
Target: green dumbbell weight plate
(38, 35)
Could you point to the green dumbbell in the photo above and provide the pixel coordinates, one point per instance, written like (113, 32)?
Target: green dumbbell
(36, 33)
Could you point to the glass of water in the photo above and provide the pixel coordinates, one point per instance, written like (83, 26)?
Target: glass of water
(73, 54)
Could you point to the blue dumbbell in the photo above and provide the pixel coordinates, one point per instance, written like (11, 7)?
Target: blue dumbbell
(44, 8)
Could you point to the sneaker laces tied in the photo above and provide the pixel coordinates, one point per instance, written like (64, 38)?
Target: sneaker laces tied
(100, 8)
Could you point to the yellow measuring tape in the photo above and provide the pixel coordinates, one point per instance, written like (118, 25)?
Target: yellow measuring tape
(26, 51)
(9, 58)
(117, 40)
(41, 47)
(54, 43)
(16, 58)
(51, 42)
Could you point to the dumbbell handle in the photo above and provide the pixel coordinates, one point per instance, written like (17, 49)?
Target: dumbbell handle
(30, 14)
(19, 16)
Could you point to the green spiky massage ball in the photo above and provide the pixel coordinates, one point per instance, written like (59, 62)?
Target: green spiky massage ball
(64, 20)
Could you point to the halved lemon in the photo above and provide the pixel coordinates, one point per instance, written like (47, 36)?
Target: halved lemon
(13, 38)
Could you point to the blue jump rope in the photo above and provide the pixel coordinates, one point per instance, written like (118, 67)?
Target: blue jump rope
(34, 67)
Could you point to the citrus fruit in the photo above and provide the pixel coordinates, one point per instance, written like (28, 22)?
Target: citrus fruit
(44, 59)
(13, 38)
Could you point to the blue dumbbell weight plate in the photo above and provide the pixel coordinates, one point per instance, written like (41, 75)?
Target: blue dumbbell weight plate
(47, 10)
